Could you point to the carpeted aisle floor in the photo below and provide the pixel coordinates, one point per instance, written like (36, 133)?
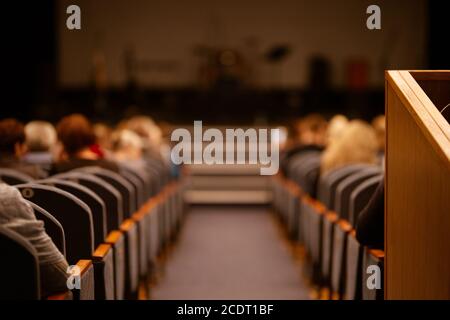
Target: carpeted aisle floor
(230, 253)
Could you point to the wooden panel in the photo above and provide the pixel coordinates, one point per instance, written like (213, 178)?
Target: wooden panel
(417, 220)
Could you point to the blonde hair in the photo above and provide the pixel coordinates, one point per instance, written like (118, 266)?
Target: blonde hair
(146, 128)
(126, 139)
(127, 145)
(40, 136)
(336, 126)
(356, 144)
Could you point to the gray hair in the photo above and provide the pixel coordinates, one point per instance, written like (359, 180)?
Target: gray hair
(40, 136)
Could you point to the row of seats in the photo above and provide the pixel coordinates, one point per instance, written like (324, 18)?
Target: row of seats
(111, 226)
(320, 213)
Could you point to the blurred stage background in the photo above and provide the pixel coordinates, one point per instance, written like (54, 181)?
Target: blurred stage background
(223, 62)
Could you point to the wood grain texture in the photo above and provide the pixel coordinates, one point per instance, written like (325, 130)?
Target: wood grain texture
(417, 216)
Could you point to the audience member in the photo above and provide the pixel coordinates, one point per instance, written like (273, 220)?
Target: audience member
(310, 135)
(17, 215)
(357, 144)
(77, 136)
(13, 148)
(40, 139)
(127, 149)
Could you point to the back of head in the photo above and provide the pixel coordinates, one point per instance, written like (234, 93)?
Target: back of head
(75, 133)
(146, 128)
(356, 144)
(40, 136)
(336, 126)
(126, 141)
(311, 129)
(12, 134)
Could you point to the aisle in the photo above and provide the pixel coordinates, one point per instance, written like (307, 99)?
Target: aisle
(230, 253)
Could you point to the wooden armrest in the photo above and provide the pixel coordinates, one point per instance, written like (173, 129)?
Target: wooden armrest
(331, 216)
(320, 208)
(127, 225)
(306, 199)
(113, 237)
(84, 265)
(67, 295)
(150, 204)
(379, 254)
(345, 225)
(293, 188)
(101, 252)
(138, 216)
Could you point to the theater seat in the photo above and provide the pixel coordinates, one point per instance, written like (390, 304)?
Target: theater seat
(341, 230)
(113, 201)
(93, 201)
(110, 196)
(128, 226)
(19, 268)
(52, 227)
(353, 268)
(119, 183)
(76, 219)
(13, 177)
(329, 186)
(360, 197)
(74, 215)
(346, 187)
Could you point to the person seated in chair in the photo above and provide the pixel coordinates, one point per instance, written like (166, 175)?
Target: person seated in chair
(40, 139)
(17, 215)
(310, 135)
(356, 144)
(127, 149)
(77, 137)
(13, 148)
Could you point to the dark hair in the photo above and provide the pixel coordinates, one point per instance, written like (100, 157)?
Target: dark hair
(11, 133)
(75, 133)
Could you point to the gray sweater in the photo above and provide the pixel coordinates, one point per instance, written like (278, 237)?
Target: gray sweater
(17, 215)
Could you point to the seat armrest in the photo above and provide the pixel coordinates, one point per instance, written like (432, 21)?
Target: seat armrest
(101, 252)
(378, 254)
(331, 216)
(127, 225)
(113, 237)
(86, 291)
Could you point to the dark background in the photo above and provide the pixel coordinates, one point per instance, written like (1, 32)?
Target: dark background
(31, 90)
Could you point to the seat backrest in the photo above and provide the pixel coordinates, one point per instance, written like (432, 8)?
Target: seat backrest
(53, 228)
(360, 197)
(93, 201)
(73, 214)
(143, 176)
(307, 174)
(299, 160)
(330, 181)
(19, 267)
(346, 187)
(158, 178)
(13, 177)
(122, 185)
(110, 196)
(138, 187)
